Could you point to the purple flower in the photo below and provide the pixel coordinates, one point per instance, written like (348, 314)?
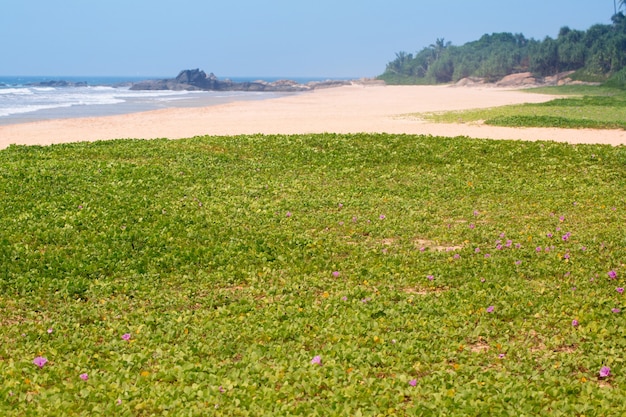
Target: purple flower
(566, 236)
(344, 298)
(502, 235)
(40, 361)
(574, 323)
(482, 280)
(354, 219)
(119, 401)
(498, 246)
(566, 256)
(612, 274)
(583, 248)
(84, 376)
(490, 309)
(317, 360)
(605, 371)
(430, 277)
(457, 256)
(518, 262)
(549, 235)
(562, 218)
(381, 217)
(422, 249)
(221, 389)
(508, 243)
(477, 250)
(340, 205)
(336, 274)
(518, 245)
(501, 356)
(413, 382)
(476, 212)
(619, 290)
(288, 214)
(487, 255)
(471, 226)
(615, 310)
(50, 331)
(538, 248)
(126, 336)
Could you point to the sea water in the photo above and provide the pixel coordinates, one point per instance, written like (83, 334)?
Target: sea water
(21, 101)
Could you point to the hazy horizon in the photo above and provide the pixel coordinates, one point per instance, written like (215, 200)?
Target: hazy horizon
(321, 39)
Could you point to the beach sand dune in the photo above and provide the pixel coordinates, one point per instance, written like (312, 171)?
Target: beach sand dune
(348, 109)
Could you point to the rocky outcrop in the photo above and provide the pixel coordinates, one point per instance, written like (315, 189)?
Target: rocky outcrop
(522, 80)
(198, 80)
(58, 83)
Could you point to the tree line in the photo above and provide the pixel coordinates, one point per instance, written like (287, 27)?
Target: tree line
(596, 54)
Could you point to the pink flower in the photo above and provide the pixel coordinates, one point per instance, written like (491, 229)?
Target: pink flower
(538, 248)
(508, 243)
(288, 214)
(605, 371)
(126, 336)
(499, 246)
(381, 217)
(549, 235)
(574, 323)
(340, 205)
(40, 361)
(501, 356)
(518, 262)
(336, 274)
(471, 226)
(50, 331)
(615, 310)
(317, 360)
(221, 389)
(344, 298)
(477, 250)
(490, 309)
(476, 212)
(430, 277)
(619, 290)
(612, 274)
(119, 401)
(457, 256)
(413, 382)
(84, 377)
(487, 255)
(566, 236)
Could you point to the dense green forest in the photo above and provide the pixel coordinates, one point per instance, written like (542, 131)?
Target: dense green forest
(597, 54)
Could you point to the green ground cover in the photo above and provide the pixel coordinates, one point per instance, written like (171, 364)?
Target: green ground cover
(312, 275)
(588, 107)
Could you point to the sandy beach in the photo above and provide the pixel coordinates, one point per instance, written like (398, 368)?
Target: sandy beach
(348, 109)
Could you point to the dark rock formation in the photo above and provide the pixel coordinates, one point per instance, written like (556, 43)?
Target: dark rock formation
(58, 83)
(198, 80)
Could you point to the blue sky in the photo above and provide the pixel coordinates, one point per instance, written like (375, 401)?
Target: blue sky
(321, 38)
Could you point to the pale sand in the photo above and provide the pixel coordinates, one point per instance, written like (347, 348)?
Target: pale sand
(349, 109)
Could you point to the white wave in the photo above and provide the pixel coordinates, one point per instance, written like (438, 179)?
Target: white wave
(44, 88)
(29, 109)
(16, 91)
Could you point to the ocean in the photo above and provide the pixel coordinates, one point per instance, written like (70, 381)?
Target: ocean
(22, 102)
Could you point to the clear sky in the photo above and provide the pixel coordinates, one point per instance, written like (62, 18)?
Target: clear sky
(320, 38)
